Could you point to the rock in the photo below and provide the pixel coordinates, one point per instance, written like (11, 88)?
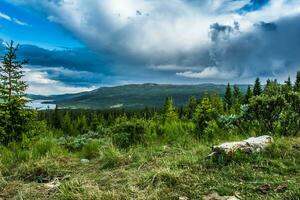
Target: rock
(216, 196)
(254, 144)
(84, 161)
(183, 198)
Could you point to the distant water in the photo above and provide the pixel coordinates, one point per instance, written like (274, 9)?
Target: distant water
(40, 105)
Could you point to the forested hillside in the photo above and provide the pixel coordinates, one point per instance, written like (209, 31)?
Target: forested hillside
(134, 96)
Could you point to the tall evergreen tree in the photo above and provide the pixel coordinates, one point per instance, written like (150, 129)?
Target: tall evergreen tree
(248, 95)
(14, 115)
(237, 95)
(297, 83)
(288, 86)
(257, 88)
(191, 107)
(169, 110)
(228, 97)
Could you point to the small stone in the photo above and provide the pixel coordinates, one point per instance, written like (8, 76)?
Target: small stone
(183, 198)
(84, 161)
(216, 196)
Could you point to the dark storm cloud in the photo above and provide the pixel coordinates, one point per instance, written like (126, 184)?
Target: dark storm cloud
(79, 59)
(270, 49)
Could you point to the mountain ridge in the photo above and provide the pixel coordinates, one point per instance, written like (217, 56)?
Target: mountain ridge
(135, 95)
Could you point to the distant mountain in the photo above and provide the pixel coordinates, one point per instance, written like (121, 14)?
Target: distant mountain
(134, 96)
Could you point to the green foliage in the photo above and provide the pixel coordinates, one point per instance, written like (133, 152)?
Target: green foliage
(111, 157)
(14, 117)
(78, 142)
(228, 100)
(176, 132)
(267, 110)
(91, 149)
(169, 110)
(297, 82)
(129, 133)
(272, 88)
(191, 107)
(204, 113)
(257, 90)
(248, 95)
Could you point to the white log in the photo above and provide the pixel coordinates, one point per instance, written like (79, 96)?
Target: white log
(251, 145)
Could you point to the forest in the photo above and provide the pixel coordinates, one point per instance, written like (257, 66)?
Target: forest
(150, 153)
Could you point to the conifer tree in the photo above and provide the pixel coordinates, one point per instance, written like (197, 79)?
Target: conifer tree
(297, 83)
(248, 95)
(257, 88)
(228, 97)
(14, 114)
(191, 107)
(287, 87)
(169, 110)
(237, 95)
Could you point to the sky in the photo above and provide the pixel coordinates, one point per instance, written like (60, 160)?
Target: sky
(80, 45)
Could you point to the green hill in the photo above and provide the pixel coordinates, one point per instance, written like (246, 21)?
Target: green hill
(136, 96)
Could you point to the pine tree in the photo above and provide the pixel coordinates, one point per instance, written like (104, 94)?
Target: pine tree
(237, 95)
(191, 107)
(297, 83)
(248, 95)
(287, 87)
(228, 98)
(204, 114)
(169, 110)
(14, 115)
(257, 88)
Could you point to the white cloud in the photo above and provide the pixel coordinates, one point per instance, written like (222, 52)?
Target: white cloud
(19, 22)
(9, 18)
(170, 67)
(207, 73)
(5, 16)
(40, 83)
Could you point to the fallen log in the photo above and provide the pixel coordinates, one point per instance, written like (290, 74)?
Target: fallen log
(251, 145)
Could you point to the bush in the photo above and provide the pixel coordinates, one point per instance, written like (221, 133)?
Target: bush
(77, 143)
(129, 133)
(91, 149)
(46, 146)
(111, 157)
(288, 124)
(176, 132)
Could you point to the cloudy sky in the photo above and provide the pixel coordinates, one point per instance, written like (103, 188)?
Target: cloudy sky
(79, 45)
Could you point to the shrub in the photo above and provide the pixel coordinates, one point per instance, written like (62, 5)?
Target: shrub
(129, 133)
(46, 146)
(111, 157)
(91, 149)
(176, 132)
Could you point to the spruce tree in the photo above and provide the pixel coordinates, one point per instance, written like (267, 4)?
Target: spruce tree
(169, 110)
(228, 98)
(288, 86)
(248, 95)
(191, 107)
(237, 95)
(14, 114)
(297, 83)
(257, 88)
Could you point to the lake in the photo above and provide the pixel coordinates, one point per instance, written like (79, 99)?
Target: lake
(40, 105)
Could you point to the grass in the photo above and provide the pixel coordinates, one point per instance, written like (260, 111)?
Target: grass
(157, 171)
